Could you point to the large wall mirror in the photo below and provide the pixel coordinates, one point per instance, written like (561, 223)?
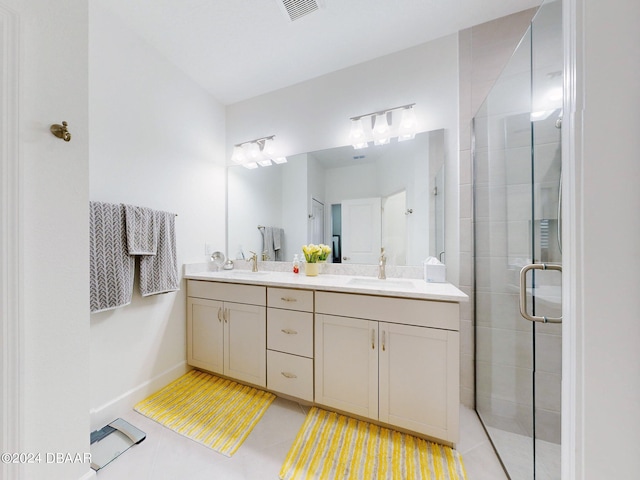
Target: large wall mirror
(355, 201)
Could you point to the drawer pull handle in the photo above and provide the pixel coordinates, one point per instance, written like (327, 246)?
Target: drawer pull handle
(220, 314)
(384, 337)
(288, 299)
(373, 339)
(288, 375)
(288, 331)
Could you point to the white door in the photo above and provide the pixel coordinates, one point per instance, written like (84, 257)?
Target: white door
(317, 222)
(44, 209)
(346, 364)
(245, 341)
(204, 334)
(394, 228)
(416, 392)
(361, 230)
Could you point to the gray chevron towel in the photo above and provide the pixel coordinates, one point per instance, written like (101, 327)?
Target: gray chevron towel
(142, 232)
(159, 272)
(111, 268)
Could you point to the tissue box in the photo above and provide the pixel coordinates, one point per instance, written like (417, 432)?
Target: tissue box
(434, 271)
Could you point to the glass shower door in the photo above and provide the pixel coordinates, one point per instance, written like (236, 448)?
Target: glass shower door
(516, 223)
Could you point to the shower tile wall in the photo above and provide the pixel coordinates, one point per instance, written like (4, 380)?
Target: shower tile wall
(484, 50)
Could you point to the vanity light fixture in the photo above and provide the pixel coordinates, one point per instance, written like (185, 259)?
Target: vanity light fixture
(382, 130)
(258, 152)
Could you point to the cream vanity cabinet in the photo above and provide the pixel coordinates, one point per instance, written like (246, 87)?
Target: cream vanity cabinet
(226, 329)
(394, 360)
(290, 342)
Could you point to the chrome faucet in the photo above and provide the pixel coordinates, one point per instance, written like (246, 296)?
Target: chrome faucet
(254, 261)
(381, 264)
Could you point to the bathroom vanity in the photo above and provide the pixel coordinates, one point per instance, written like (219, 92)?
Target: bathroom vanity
(382, 350)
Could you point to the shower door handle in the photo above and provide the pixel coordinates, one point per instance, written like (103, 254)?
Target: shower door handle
(523, 292)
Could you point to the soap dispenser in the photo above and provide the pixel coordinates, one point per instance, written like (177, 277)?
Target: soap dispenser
(296, 264)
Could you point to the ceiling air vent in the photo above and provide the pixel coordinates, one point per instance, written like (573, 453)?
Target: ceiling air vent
(295, 9)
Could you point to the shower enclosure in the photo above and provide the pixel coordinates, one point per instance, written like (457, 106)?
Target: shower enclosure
(517, 172)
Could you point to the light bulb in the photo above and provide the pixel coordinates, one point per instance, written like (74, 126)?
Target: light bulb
(238, 155)
(381, 130)
(269, 149)
(253, 152)
(408, 125)
(357, 136)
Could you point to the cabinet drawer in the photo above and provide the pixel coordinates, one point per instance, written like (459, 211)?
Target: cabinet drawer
(290, 374)
(290, 299)
(422, 313)
(228, 292)
(290, 331)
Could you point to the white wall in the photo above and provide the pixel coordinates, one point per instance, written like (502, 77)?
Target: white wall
(602, 389)
(157, 140)
(314, 115)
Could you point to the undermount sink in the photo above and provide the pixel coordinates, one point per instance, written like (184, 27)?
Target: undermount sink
(234, 273)
(376, 282)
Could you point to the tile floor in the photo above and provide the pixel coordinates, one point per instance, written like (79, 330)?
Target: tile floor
(167, 455)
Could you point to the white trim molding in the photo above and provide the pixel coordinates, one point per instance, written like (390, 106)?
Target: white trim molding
(10, 239)
(103, 414)
(572, 442)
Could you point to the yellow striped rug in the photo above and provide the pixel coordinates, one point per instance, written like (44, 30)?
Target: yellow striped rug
(212, 411)
(332, 446)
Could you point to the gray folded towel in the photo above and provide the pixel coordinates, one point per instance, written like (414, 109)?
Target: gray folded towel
(142, 232)
(267, 243)
(278, 233)
(159, 272)
(110, 266)
(272, 238)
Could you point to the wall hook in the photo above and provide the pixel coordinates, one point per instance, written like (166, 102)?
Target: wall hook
(61, 131)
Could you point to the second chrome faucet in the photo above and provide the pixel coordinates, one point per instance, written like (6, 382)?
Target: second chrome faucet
(254, 261)
(382, 274)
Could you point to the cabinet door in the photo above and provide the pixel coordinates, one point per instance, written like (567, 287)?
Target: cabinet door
(346, 364)
(245, 340)
(419, 379)
(204, 334)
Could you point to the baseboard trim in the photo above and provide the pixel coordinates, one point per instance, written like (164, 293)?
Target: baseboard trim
(90, 475)
(117, 407)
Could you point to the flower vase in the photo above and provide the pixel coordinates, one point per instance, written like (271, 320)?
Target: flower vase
(311, 269)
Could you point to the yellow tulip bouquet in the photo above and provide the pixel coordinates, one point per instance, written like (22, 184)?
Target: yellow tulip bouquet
(316, 253)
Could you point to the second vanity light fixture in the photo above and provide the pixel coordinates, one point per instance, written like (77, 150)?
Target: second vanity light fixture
(259, 152)
(381, 130)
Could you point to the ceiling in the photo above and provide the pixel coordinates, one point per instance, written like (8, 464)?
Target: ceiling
(238, 49)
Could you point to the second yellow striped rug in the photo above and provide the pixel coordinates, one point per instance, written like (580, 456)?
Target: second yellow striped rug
(212, 411)
(332, 446)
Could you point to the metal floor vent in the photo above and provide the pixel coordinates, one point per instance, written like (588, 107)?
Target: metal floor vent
(295, 9)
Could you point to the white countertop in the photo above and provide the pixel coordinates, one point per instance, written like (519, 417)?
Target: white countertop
(391, 287)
